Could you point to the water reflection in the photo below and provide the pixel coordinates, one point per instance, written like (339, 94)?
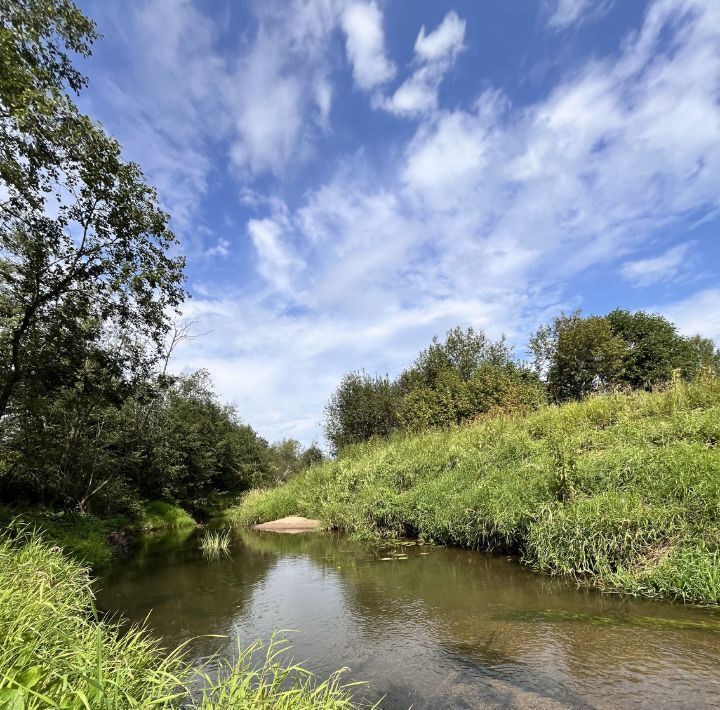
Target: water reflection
(441, 628)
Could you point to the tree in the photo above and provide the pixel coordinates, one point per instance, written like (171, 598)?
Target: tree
(362, 407)
(578, 355)
(704, 355)
(312, 456)
(653, 349)
(463, 377)
(463, 351)
(199, 445)
(85, 250)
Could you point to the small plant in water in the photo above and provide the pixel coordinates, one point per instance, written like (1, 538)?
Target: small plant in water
(214, 544)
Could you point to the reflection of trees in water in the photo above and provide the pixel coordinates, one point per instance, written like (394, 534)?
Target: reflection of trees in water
(494, 613)
(495, 629)
(188, 596)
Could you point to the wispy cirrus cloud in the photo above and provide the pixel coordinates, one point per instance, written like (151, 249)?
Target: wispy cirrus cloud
(567, 13)
(478, 213)
(434, 55)
(362, 23)
(668, 266)
(487, 211)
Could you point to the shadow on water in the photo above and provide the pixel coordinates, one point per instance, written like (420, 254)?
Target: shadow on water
(435, 627)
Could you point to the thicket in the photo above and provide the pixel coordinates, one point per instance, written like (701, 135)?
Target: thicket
(467, 375)
(55, 652)
(621, 490)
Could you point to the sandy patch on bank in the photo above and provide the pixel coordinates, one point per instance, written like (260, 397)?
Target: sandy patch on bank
(292, 524)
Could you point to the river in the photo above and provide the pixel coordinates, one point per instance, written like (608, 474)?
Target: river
(430, 627)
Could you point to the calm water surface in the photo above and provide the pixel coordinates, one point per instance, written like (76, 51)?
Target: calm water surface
(444, 628)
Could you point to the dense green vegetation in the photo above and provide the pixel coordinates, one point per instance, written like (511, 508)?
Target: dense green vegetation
(55, 652)
(620, 490)
(90, 290)
(452, 381)
(94, 539)
(467, 375)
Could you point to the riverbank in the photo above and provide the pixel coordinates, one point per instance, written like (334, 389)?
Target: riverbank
(55, 652)
(620, 491)
(95, 540)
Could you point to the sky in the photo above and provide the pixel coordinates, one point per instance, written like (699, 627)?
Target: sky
(348, 178)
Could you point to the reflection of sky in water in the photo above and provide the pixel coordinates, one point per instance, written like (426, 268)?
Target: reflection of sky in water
(448, 628)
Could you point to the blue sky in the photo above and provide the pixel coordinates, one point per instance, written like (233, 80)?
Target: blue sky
(349, 177)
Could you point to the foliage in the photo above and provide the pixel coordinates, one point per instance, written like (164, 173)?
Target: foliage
(85, 250)
(362, 407)
(285, 459)
(452, 381)
(174, 442)
(55, 652)
(159, 515)
(91, 539)
(582, 355)
(620, 490)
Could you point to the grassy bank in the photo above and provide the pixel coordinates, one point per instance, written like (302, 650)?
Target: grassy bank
(89, 538)
(55, 653)
(621, 491)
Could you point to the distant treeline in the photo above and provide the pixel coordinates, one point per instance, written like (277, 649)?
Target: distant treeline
(469, 375)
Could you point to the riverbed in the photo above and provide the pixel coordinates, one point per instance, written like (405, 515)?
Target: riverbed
(425, 626)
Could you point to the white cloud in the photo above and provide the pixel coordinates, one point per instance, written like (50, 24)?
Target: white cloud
(221, 248)
(434, 55)
(488, 211)
(181, 95)
(482, 217)
(699, 313)
(276, 262)
(565, 13)
(365, 44)
(445, 40)
(668, 266)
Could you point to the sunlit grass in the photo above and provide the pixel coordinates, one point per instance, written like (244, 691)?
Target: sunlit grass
(56, 653)
(159, 515)
(620, 490)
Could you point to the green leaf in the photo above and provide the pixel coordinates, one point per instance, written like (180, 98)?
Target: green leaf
(30, 677)
(12, 699)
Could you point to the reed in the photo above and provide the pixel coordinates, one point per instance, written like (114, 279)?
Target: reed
(215, 544)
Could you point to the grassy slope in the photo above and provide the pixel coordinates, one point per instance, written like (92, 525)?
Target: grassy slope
(54, 653)
(621, 490)
(86, 536)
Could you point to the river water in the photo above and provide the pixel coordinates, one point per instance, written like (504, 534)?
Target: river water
(431, 627)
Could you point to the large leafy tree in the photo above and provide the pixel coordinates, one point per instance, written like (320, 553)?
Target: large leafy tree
(85, 250)
(653, 348)
(580, 355)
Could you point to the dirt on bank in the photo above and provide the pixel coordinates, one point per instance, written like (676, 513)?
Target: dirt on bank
(292, 524)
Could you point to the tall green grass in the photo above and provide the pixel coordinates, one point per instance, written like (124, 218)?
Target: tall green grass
(159, 515)
(56, 653)
(215, 543)
(86, 537)
(620, 490)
